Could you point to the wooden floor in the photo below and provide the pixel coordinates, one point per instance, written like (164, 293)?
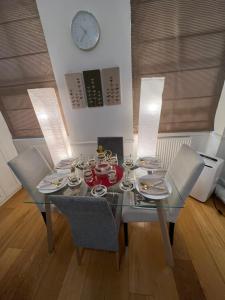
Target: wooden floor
(27, 271)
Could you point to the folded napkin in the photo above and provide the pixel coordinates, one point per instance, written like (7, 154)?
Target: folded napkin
(63, 171)
(47, 186)
(51, 182)
(150, 163)
(65, 163)
(150, 166)
(68, 160)
(147, 186)
(63, 167)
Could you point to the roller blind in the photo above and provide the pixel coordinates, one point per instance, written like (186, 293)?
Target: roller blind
(184, 41)
(24, 63)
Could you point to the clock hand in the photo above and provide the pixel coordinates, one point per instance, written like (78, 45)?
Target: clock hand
(85, 31)
(82, 37)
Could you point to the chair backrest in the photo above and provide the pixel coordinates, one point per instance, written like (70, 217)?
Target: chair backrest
(30, 167)
(91, 220)
(115, 144)
(185, 170)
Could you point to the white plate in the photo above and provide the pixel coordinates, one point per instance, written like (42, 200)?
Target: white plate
(124, 189)
(154, 197)
(52, 190)
(103, 192)
(74, 184)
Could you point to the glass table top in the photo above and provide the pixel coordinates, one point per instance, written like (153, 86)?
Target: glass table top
(130, 198)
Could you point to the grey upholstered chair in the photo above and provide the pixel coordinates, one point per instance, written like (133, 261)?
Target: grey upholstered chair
(92, 222)
(30, 167)
(183, 171)
(115, 144)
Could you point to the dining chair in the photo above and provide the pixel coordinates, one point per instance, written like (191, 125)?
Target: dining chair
(115, 144)
(93, 223)
(30, 167)
(183, 172)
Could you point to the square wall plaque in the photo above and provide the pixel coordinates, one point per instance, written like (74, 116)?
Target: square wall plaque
(111, 86)
(75, 85)
(93, 87)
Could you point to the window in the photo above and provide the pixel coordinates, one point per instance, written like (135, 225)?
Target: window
(49, 116)
(20, 116)
(24, 63)
(149, 115)
(183, 41)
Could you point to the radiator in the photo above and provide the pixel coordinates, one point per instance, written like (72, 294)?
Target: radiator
(168, 147)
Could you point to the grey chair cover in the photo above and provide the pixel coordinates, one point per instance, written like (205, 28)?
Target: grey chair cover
(30, 167)
(183, 171)
(91, 219)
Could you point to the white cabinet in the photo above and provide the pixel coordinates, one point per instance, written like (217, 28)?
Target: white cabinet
(8, 182)
(206, 183)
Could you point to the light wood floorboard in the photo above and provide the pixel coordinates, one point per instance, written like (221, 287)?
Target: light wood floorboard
(27, 271)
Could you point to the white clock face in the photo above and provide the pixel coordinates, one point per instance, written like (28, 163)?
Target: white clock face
(85, 30)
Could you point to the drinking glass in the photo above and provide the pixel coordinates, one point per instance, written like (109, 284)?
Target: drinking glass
(128, 161)
(101, 157)
(113, 160)
(88, 175)
(91, 161)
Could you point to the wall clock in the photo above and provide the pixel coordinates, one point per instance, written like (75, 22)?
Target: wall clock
(85, 30)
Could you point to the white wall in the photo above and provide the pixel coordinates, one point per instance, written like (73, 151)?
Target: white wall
(6, 143)
(217, 136)
(199, 140)
(113, 49)
(221, 152)
(9, 184)
(220, 128)
(219, 123)
(149, 114)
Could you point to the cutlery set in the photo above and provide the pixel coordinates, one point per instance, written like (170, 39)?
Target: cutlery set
(151, 186)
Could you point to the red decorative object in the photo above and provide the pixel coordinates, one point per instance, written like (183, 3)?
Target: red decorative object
(103, 179)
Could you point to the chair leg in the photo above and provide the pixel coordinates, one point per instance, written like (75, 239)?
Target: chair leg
(125, 226)
(171, 232)
(117, 260)
(43, 213)
(79, 255)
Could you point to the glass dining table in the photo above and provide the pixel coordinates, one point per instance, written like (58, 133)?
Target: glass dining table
(132, 201)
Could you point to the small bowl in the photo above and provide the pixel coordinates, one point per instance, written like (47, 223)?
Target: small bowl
(127, 184)
(73, 181)
(99, 190)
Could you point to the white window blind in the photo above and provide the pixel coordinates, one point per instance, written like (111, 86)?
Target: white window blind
(183, 41)
(49, 116)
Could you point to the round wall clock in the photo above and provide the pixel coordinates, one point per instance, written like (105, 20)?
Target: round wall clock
(85, 30)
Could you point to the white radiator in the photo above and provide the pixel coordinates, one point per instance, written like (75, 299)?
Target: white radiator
(168, 147)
